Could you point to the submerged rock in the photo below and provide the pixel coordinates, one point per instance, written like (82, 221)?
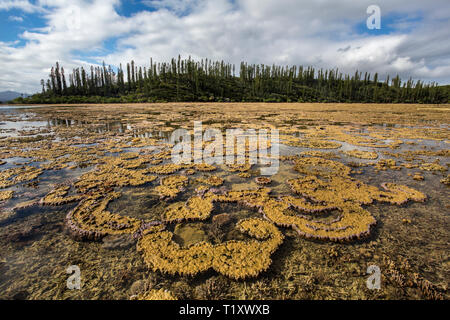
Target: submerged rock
(118, 242)
(190, 233)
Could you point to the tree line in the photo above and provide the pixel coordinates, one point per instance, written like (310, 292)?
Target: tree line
(206, 80)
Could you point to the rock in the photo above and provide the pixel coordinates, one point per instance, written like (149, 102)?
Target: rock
(190, 233)
(222, 219)
(118, 242)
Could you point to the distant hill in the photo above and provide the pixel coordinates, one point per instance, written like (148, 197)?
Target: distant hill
(6, 96)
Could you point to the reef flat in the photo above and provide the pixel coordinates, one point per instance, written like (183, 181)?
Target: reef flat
(95, 186)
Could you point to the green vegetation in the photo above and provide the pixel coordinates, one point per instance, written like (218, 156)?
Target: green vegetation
(187, 80)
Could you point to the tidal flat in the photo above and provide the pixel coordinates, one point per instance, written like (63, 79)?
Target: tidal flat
(94, 186)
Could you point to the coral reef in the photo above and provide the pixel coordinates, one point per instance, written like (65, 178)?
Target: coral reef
(312, 143)
(244, 175)
(171, 186)
(189, 233)
(400, 194)
(111, 174)
(58, 197)
(320, 167)
(239, 167)
(90, 220)
(198, 208)
(6, 214)
(342, 193)
(154, 294)
(12, 176)
(5, 195)
(164, 168)
(432, 167)
(418, 177)
(204, 167)
(362, 154)
(235, 259)
(211, 180)
(263, 181)
(320, 154)
(385, 164)
(446, 180)
(401, 275)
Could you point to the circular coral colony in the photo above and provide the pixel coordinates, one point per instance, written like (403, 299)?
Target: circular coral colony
(322, 187)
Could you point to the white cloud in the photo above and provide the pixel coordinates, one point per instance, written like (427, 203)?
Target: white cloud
(177, 6)
(319, 33)
(24, 5)
(15, 18)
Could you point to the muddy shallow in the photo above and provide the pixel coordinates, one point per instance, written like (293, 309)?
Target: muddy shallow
(410, 242)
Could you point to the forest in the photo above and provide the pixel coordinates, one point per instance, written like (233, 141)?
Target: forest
(187, 80)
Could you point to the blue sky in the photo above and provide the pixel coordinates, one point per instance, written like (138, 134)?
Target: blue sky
(412, 41)
(14, 22)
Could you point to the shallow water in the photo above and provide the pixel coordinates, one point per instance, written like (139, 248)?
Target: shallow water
(408, 242)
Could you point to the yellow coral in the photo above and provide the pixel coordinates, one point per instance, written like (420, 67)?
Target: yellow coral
(165, 169)
(12, 176)
(58, 197)
(320, 166)
(112, 175)
(236, 259)
(171, 186)
(90, 220)
(195, 208)
(362, 154)
(211, 180)
(154, 294)
(384, 164)
(433, 167)
(5, 195)
(342, 193)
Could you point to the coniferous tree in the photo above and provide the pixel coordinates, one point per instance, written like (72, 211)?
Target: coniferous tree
(207, 80)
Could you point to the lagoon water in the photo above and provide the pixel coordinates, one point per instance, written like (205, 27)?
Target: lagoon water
(409, 242)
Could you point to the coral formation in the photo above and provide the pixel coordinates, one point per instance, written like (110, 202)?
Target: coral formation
(204, 167)
(418, 177)
(211, 180)
(111, 174)
(312, 143)
(400, 194)
(154, 294)
(5, 195)
(362, 154)
(320, 166)
(385, 164)
(171, 186)
(239, 167)
(342, 193)
(90, 220)
(195, 208)
(263, 180)
(89, 166)
(12, 176)
(244, 174)
(164, 168)
(58, 197)
(432, 167)
(235, 259)
(320, 154)
(446, 180)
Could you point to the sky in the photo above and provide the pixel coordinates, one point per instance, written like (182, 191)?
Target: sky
(413, 40)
